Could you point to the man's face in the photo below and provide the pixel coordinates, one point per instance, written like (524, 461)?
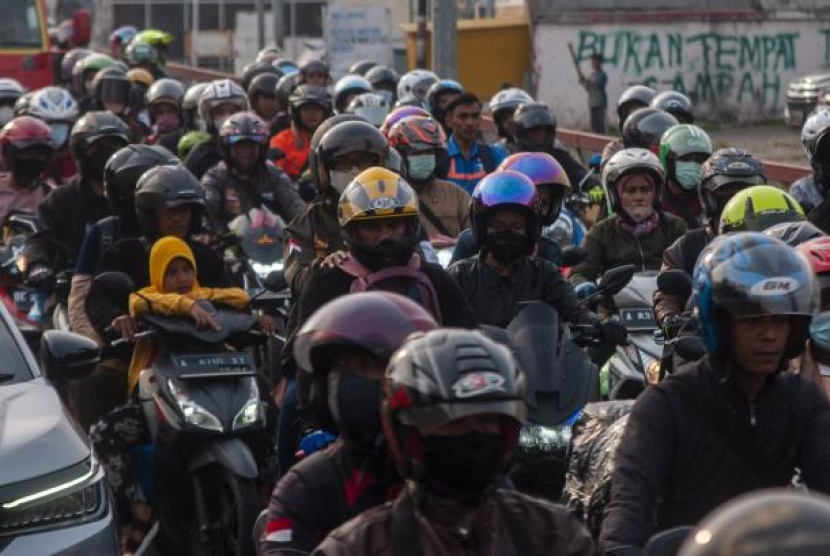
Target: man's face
(311, 116)
(372, 233)
(637, 198)
(317, 78)
(757, 344)
(507, 220)
(266, 106)
(465, 121)
(175, 221)
(506, 120)
(245, 155)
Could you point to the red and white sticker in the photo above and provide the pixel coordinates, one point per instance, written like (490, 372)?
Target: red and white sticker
(279, 530)
(478, 383)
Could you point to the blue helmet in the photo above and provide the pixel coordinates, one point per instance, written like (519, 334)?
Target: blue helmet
(441, 87)
(748, 275)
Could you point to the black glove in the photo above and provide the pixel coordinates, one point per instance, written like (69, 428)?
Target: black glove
(614, 332)
(40, 276)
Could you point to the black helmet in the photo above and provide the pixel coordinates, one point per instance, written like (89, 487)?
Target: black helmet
(263, 84)
(314, 66)
(254, 69)
(92, 127)
(165, 187)
(241, 127)
(165, 90)
(286, 86)
(361, 67)
(376, 323)
(794, 233)
(727, 167)
(385, 81)
(645, 127)
(441, 376)
(637, 96)
(774, 522)
(676, 104)
(321, 130)
(533, 115)
(305, 95)
(122, 172)
(111, 85)
(347, 137)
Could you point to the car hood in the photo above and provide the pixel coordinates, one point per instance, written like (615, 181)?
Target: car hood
(37, 436)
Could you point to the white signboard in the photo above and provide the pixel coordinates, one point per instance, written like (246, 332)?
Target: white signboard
(355, 33)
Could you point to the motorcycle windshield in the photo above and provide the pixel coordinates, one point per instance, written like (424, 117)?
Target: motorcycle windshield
(557, 373)
(230, 323)
(639, 292)
(260, 232)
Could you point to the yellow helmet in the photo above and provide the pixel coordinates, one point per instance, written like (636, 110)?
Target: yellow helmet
(138, 75)
(374, 194)
(757, 208)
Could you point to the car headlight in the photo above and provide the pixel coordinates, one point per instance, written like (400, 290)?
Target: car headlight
(72, 494)
(194, 413)
(536, 440)
(251, 412)
(263, 270)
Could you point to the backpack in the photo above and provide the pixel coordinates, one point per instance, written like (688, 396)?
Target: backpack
(485, 153)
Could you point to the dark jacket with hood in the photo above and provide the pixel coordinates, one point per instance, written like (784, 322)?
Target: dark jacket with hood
(203, 157)
(695, 441)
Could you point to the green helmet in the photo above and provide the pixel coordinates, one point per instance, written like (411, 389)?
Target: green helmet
(189, 141)
(681, 140)
(154, 37)
(94, 62)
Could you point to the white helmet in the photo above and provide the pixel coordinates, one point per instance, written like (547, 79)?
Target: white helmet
(508, 99)
(349, 85)
(219, 92)
(57, 107)
(10, 90)
(373, 107)
(814, 128)
(627, 161)
(416, 83)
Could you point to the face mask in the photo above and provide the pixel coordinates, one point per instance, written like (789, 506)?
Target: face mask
(354, 401)
(506, 246)
(420, 167)
(820, 331)
(6, 115)
(60, 132)
(340, 180)
(686, 174)
(27, 170)
(167, 122)
(462, 467)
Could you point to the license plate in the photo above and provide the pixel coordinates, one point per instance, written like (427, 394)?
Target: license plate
(638, 319)
(214, 365)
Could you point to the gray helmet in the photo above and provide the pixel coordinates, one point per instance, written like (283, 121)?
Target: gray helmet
(219, 92)
(507, 100)
(349, 85)
(190, 104)
(631, 161)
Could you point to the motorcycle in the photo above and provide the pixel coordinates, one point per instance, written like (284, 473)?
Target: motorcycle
(25, 305)
(682, 344)
(203, 412)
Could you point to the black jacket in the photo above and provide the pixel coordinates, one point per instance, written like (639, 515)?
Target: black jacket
(203, 157)
(694, 442)
(496, 299)
(270, 187)
(682, 255)
(65, 214)
(573, 169)
(311, 236)
(322, 492)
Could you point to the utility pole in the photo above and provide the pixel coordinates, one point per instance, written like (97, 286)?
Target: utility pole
(194, 33)
(260, 23)
(421, 35)
(445, 38)
(276, 12)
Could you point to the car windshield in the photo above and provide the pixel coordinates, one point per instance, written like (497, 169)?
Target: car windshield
(20, 22)
(14, 367)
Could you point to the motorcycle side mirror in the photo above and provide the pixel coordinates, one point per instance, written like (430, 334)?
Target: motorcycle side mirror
(116, 286)
(23, 222)
(667, 543)
(675, 281)
(572, 255)
(276, 281)
(66, 355)
(614, 280)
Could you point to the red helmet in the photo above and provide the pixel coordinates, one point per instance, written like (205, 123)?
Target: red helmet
(817, 253)
(399, 114)
(415, 134)
(24, 132)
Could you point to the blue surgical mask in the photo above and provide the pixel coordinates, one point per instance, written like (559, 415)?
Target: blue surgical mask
(820, 330)
(686, 174)
(60, 132)
(420, 167)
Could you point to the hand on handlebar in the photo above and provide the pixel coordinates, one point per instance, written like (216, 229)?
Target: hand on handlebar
(268, 324)
(203, 318)
(40, 276)
(125, 326)
(335, 259)
(613, 332)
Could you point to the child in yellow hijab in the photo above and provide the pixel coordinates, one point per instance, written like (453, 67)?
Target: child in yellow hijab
(173, 291)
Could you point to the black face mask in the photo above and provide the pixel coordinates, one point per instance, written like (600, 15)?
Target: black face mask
(385, 254)
(27, 170)
(355, 404)
(506, 246)
(93, 167)
(462, 467)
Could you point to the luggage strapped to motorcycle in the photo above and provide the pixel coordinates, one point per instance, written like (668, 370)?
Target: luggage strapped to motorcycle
(325, 483)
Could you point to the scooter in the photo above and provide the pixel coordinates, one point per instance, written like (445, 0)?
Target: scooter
(682, 344)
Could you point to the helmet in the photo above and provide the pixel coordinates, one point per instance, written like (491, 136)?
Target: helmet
(23, 104)
(189, 141)
(816, 147)
(444, 375)
(94, 126)
(757, 208)
(507, 100)
(121, 37)
(138, 76)
(736, 276)
(727, 167)
(313, 66)
(166, 90)
(529, 116)
(416, 83)
(645, 127)
(159, 40)
(506, 189)
(308, 94)
(637, 96)
(24, 132)
(190, 104)
(372, 107)
(58, 109)
(243, 126)
(286, 66)
(346, 87)
(122, 172)
(361, 67)
(773, 522)
(263, 84)
(399, 114)
(68, 64)
(676, 104)
(375, 322)
(682, 140)
(139, 53)
(269, 53)
(10, 90)
(321, 130)
(86, 67)
(439, 88)
(631, 161)
(286, 86)
(817, 253)
(382, 75)
(111, 85)
(221, 91)
(794, 233)
(165, 187)
(416, 134)
(544, 171)
(257, 68)
(344, 137)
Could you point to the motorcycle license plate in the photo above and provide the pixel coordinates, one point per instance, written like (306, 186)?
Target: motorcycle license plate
(214, 365)
(638, 319)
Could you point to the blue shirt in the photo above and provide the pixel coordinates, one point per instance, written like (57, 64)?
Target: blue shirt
(467, 172)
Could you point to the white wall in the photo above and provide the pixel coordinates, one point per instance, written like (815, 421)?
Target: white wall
(726, 67)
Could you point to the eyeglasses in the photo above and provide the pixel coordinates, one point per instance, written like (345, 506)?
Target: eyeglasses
(499, 227)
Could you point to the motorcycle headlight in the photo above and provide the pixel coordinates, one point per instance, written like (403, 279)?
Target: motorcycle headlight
(251, 412)
(194, 414)
(77, 493)
(536, 440)
(263, 270)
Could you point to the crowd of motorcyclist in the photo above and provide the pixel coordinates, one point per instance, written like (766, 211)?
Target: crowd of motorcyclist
(393, 416)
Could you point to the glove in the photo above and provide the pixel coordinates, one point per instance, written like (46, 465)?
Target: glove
(585, 290)
(596, 195)
(672, 325)
(40, 276)
(314, 441)
(614, 332)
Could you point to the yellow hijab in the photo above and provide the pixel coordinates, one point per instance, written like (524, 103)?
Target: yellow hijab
(163, 253)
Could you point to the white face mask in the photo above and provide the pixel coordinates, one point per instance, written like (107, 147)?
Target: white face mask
(6, 115)
(340, 180)
(420, 167)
